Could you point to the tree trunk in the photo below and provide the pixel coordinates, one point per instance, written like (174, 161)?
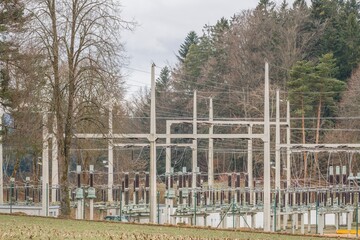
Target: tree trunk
(65, 203)
(57, 97)
(16, 167)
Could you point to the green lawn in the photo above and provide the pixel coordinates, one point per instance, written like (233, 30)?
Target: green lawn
(26, 227)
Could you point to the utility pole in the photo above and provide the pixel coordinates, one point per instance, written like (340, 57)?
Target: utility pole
(45, 166)
(1, 161)
(152, 139)
(211, 147)
(288, 142)
(168, 173)
(288, 163)
(277, 153)
(110, 154)
(194, 150)
(250, 165)
(267, 184)
(54, 166)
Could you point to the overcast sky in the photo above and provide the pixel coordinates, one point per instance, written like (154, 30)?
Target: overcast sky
(163, 26)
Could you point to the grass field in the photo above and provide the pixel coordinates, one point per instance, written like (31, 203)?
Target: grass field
(26, 227)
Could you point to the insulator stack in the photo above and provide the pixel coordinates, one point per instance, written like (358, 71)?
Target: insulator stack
(304, 197)
(72, 196)
(171, 181)
(91, 179)
(79, 179)
(222, 197)
(246, 180)
(247, 197)
(297, 198)
(180, 181)
(198, 198)
(229, 180)
(331, 175)
(167, 179)
(344, 175)
(137, 181)
(185, 180)
(103, 195)
(198, 180)
(229, 196)
(213, 198)
(347, 198)
(147, 180)
(189, 180)
(337, 171)
(283, 202)
(237, 184)
(291, 199)
(325, 198)
(190, 200)
(126, 181)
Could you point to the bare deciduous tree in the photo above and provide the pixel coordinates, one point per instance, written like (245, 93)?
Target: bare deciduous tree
(80, 40)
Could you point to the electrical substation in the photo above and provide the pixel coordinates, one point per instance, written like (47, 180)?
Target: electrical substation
(277, 201)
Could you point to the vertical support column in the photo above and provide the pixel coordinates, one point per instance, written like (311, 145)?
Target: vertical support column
(45, 167)
(302, 224)
(337, 221)
(54, 165)
(168, 176)
(194, 149)
(349, 221)
(250, 165)
(277, 144)
(152, 139)
(321, 224)
(266, 140)
(277, 158)
(211, 147)
(1, 161)
(110, 156)
(288, 161)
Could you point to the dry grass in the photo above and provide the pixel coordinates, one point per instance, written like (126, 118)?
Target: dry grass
(26, 227)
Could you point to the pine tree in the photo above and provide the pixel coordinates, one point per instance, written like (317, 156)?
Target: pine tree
(11, 20)
(191, 39)
(311, 87)
(163, 81)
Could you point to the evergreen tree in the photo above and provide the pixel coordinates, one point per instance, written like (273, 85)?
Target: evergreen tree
(341, 36)
(313, 86)
(163, 81)
(11, 21)
(266, 6)
(191, 39)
